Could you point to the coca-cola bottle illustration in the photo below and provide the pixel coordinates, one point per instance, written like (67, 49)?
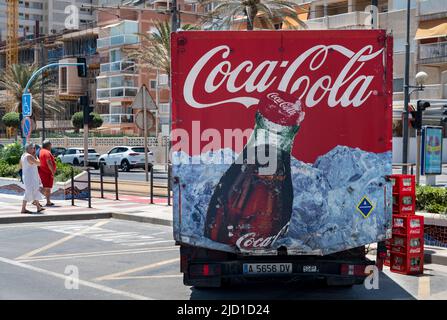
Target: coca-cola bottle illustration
(252, 203)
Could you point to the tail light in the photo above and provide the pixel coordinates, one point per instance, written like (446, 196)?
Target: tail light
(204, 270)
(352, 270)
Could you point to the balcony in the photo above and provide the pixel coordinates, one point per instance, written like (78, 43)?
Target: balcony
(429, 7)
(120, 40)
(117, 118)
(433, 53)
(118, 66)
(351, 20)
(116, 93)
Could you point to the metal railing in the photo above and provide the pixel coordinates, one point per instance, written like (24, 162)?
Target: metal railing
(168, 186)
(117, 66)
(89, 187)
(433, 52)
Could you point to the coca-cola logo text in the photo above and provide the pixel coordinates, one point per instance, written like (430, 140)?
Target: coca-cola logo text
(349, 88)
(249, 241)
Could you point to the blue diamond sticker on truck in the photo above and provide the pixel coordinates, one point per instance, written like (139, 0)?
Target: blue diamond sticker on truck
(365, 207)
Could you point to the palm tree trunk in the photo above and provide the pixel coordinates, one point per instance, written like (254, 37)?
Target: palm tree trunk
(251, 20)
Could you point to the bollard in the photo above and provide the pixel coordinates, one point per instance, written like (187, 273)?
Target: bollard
(101, 179)
(72, 187)
(89, 183)
(169, 184)
(152, 184)
(116, 182)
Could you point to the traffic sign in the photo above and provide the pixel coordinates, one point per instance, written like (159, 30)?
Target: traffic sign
(365, 207)
(27, 101)
(27, 127)
(139, 120)
(138, 101)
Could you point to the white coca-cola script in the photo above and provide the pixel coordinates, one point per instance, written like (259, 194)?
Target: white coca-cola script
(249, 240)
(349, 87)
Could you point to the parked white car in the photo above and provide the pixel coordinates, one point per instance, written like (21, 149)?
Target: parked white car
(75, 156)
(126, 157)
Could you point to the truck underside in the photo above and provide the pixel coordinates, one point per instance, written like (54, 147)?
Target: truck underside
(203, 267)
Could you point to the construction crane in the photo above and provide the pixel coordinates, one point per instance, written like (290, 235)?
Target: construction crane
(12, 25)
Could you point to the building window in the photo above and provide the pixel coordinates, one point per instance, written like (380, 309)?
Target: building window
(163, 79)
(402, 4)
(164, 107)
(398, 85)
(63, 87)
(153, 84)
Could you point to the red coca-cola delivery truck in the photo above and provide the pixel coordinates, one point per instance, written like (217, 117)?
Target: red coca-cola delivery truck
(281, 148)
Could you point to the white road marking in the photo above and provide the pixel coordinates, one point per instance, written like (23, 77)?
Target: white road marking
(43, 224)
(58, 242)
(81, 282)
(122, 238)
(146, 267)
(96, 254)
(147, 277)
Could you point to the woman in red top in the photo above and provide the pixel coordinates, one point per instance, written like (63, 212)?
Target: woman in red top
(47, 170)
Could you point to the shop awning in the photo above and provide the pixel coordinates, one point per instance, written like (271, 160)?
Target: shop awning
(431, 29)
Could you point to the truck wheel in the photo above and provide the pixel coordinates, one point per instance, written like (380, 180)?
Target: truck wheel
(76, 162)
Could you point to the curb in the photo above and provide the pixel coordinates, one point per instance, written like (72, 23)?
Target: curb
(130, 217)
(50, 218)
(84, 216)
(430, 258)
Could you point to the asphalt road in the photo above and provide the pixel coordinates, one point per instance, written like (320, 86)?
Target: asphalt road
(117, 259)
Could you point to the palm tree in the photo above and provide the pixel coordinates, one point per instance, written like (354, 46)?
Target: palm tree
(266, 12)
(155, 51)
(14, 80)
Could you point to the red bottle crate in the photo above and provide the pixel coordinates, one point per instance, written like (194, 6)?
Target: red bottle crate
(407, 244)
(407, 263)
(404, 203)
(388, 243)
(387, 260)
(408, 225)
(403, 183)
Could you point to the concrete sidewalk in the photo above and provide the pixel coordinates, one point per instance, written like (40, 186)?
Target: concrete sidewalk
(128, 208)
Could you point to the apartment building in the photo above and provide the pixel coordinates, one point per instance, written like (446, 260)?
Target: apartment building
(431, 55)
(428, 31)
(121, 77)
(45, 17)
(71, 87)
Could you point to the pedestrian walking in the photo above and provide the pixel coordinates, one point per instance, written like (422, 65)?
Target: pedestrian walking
(47, 170)
(31, 179)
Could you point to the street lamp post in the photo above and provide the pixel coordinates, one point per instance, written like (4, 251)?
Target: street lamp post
(406, 94)
(42, 48)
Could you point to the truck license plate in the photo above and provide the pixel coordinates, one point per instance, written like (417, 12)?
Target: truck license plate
(311, 269)
(257, 268)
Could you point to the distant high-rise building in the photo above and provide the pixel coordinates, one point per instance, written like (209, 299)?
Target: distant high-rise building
(49, 16)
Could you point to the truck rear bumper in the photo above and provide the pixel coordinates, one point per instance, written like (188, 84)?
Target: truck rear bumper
(338, 273)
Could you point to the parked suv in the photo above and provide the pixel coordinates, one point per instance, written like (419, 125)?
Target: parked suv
(126, 157)
(75, 156)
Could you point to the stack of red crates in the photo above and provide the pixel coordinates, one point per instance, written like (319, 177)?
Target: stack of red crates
(405, 250)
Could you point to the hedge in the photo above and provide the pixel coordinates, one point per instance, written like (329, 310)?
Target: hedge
(10, 157)
(431, 199)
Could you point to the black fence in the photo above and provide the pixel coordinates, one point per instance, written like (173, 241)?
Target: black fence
(89, 187)
(112, 171)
